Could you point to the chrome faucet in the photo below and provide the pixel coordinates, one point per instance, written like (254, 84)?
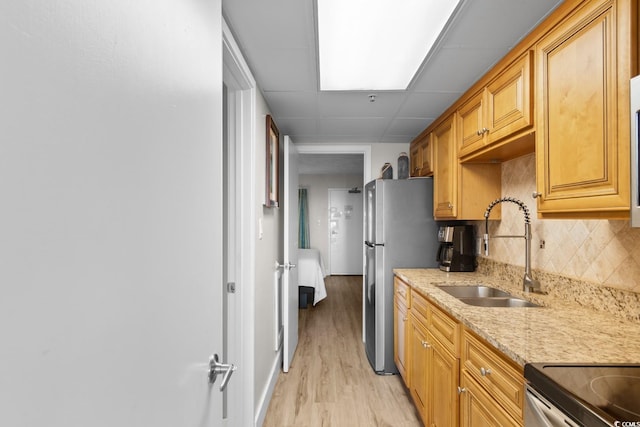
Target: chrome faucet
(529, 284)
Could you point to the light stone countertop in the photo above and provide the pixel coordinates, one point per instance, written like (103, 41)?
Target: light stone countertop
(558, 332)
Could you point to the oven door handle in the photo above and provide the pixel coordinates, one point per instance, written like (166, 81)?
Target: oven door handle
(540, 413)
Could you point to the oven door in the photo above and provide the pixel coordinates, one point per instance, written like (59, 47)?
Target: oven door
(539, 412)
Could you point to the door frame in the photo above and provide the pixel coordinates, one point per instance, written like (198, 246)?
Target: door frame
(365, 150)
(242, 96)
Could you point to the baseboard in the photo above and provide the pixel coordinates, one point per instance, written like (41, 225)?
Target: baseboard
(265, 398)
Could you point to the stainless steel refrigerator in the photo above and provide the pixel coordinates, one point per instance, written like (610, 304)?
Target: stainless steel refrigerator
(400, 232)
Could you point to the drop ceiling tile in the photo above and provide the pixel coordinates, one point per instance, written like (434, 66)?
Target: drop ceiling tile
(286, 70)
(267, 24)
(427, 104)
(297, 126)
(358, 104)
(456, 69)
(292, 104)
(407, 127)
(368, 127)
(473, 28)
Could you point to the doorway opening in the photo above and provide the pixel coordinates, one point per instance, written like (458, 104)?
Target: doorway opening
(339, 151)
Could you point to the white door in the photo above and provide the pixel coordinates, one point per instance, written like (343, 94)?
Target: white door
(290, 281)
(111, 248)
(345, 231)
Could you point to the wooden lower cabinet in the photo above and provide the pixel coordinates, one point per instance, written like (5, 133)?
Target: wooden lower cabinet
(455, 377)
(444, 386)
(478, 409)
(400, 337)
(434, 370)
(420, 359)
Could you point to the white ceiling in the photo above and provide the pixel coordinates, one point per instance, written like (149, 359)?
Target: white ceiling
(278, 39)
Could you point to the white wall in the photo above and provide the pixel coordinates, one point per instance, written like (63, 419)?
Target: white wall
(110, 155)
(386, 153)
(269, 249)
(318, 190)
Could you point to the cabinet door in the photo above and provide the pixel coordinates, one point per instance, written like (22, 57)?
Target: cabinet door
(401, 330)
(509, 100)
(446, 170)
(471, 127)
(420, 362)
(415, 158)
(426, 157)
(582, 153)
(444, 396)
(477, 409)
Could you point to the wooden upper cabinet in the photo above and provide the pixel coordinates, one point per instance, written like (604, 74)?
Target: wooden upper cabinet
(501, 112)
(446, 169)
(471, 124)
(582, 138)
(461, 191)
(421, 156)
(509, 100)
(415, 159)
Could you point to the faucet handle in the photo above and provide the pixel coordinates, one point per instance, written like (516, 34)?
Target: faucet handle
(485, 244)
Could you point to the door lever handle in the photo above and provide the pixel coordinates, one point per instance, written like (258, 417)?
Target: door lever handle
(285, 266)
(216, 368)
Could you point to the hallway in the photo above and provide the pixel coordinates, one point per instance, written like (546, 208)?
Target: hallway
(330, 382)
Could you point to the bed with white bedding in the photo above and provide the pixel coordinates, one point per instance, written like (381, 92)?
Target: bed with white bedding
(311, 273)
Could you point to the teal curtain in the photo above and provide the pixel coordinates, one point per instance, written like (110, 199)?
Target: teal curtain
(303, 222)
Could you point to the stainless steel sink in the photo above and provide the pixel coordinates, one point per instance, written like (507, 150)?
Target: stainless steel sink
(485, 296)
(474, 291)
(498, 302)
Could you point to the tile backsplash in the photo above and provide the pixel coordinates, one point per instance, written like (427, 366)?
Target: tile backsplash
(604, 252)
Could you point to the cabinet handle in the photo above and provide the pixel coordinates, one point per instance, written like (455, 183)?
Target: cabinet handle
(485, 130)
(425, 344)
(461, 390)
(535, 194)
(404, 319)
(450, 206)
(479, 132)
(484, 372)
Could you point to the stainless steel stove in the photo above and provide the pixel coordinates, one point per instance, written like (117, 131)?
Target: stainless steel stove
(590, 395)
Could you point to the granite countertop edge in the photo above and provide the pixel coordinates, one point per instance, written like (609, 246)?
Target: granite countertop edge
(558, 332)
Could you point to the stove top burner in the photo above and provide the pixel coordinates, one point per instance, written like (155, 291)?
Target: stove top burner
(590, 392)
(621, 392)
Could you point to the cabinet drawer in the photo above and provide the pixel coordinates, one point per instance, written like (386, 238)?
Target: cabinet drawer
(420, 309)
(402, 292)
(500, 378)
(445, 329)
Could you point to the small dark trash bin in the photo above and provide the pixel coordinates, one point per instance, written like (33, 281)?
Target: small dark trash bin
(305, 296)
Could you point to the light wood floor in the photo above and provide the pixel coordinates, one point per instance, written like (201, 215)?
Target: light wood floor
(330, 382)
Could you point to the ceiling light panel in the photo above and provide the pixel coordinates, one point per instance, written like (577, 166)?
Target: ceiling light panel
(376, 44)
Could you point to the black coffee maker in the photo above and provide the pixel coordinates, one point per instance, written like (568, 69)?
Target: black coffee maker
(457, 248)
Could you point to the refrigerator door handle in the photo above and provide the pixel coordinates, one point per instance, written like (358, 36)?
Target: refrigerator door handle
(372, 245)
